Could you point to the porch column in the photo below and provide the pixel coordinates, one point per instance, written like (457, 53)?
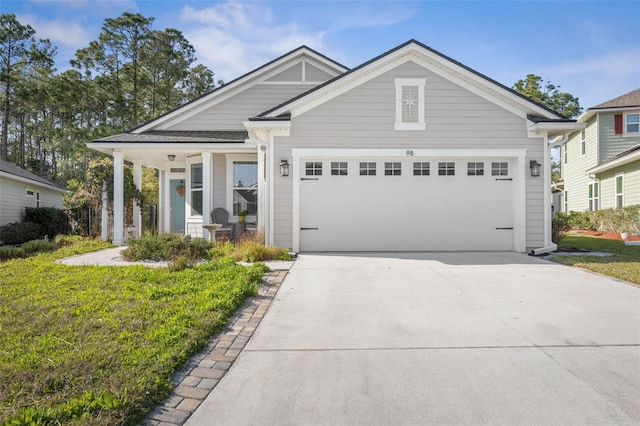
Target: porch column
(207, 184)
(118, 198)
(137, 212)
(104, 218)
(162, 203)
(262, 189)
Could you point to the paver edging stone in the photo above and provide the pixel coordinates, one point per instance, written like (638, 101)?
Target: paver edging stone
(200, 375)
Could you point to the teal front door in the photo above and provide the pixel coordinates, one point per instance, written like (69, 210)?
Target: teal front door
(177, 190)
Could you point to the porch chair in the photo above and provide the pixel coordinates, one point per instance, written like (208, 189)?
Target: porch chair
(221, 216)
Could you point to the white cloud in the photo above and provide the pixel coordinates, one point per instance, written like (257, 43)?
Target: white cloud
(65, 33)
(234, 37)
(597, 78)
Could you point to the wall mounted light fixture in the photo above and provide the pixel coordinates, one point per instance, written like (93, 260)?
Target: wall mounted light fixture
(535, 168)
(171, 157)
(284, 168)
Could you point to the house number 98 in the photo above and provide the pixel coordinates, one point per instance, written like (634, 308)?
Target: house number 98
(409, 153)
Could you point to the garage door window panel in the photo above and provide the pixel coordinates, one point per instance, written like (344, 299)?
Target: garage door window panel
(500, 168)
(339, 168)
(421, 168)
(392, 169)
(446, 169)
(475, 169)
(313, 168)
(367, 169)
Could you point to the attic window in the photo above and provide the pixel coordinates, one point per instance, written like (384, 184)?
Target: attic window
(632, 123)
(410, 104)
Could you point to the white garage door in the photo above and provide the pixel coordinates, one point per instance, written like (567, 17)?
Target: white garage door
(406, 205)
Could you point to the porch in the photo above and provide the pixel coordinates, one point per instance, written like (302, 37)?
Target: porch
(214, 169)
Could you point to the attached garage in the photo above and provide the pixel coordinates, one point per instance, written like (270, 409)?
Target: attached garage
(417, 201)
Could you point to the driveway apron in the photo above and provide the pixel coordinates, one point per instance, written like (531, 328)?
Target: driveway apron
(437, 338)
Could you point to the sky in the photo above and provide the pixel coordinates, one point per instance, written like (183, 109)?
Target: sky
(591, 49)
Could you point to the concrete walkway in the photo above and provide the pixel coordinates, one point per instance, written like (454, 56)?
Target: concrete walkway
(450, 338)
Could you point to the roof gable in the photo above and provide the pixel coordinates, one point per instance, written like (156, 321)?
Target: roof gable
(301, 57)
(628, 100)
(428, 58)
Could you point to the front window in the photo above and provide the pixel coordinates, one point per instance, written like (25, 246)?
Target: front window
(245, 187)
(593, 196)
(584, 142)
(632, 123)
(619, 191)
(196, 189)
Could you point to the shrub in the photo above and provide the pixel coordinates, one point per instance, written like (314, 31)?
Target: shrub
(625, 219)
(579, 220)
(169, 247)
(18, 233)
(559, 227)
(35, 246)
(52, 221)
(249, 250)
(10, 252)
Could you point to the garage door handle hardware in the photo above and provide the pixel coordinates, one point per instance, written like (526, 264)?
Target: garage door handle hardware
(504, 179)
(308, 178)
(506, 228)
(308, 229)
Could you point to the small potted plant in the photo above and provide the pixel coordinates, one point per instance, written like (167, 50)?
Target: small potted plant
(242, 215)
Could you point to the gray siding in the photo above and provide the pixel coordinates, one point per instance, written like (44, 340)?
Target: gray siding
(610, 143)
(13, 199)
(315, 74)
(219, 181)
(576, 180)
(293, 73)
(364, 118)
(229, 114)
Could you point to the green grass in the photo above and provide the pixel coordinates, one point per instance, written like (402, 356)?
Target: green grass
(624, 264)
(98, 345)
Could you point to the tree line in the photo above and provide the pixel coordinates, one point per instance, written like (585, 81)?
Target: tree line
(129, 75)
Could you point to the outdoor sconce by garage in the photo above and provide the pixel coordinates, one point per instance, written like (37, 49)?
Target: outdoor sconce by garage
(171, 157)
(535, 168)
(284, 168)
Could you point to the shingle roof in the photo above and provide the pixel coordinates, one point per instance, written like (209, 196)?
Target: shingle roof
(12, 169)
(622, 154)
(631, 99)
(164, 136)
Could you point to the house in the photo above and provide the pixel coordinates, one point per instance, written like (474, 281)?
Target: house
(600, 164)
(408, 151)
(20, 188)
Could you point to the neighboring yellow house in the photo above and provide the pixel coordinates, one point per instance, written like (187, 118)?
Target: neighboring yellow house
(601, 164)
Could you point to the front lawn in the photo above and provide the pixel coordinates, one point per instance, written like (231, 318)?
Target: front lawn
(98, 345)
(624, 264)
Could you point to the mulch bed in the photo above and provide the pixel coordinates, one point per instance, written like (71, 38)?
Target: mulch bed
(608, 235)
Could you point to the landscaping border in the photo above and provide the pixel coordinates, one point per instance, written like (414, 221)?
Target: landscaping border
(204, 371)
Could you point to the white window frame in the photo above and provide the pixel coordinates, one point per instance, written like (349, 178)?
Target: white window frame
(190, 189)
(230, 184)
(500, 168)
(316, 171)
(583, 142)
(566, 201)
(625, 125)
(446, 167)
(421, 169)
(593, 195)
(339, 168)
(30, 190)
(366, 166)
(400, 83)
(615, 190)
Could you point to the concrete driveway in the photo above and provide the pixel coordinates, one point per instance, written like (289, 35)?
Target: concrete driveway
(437, 338)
